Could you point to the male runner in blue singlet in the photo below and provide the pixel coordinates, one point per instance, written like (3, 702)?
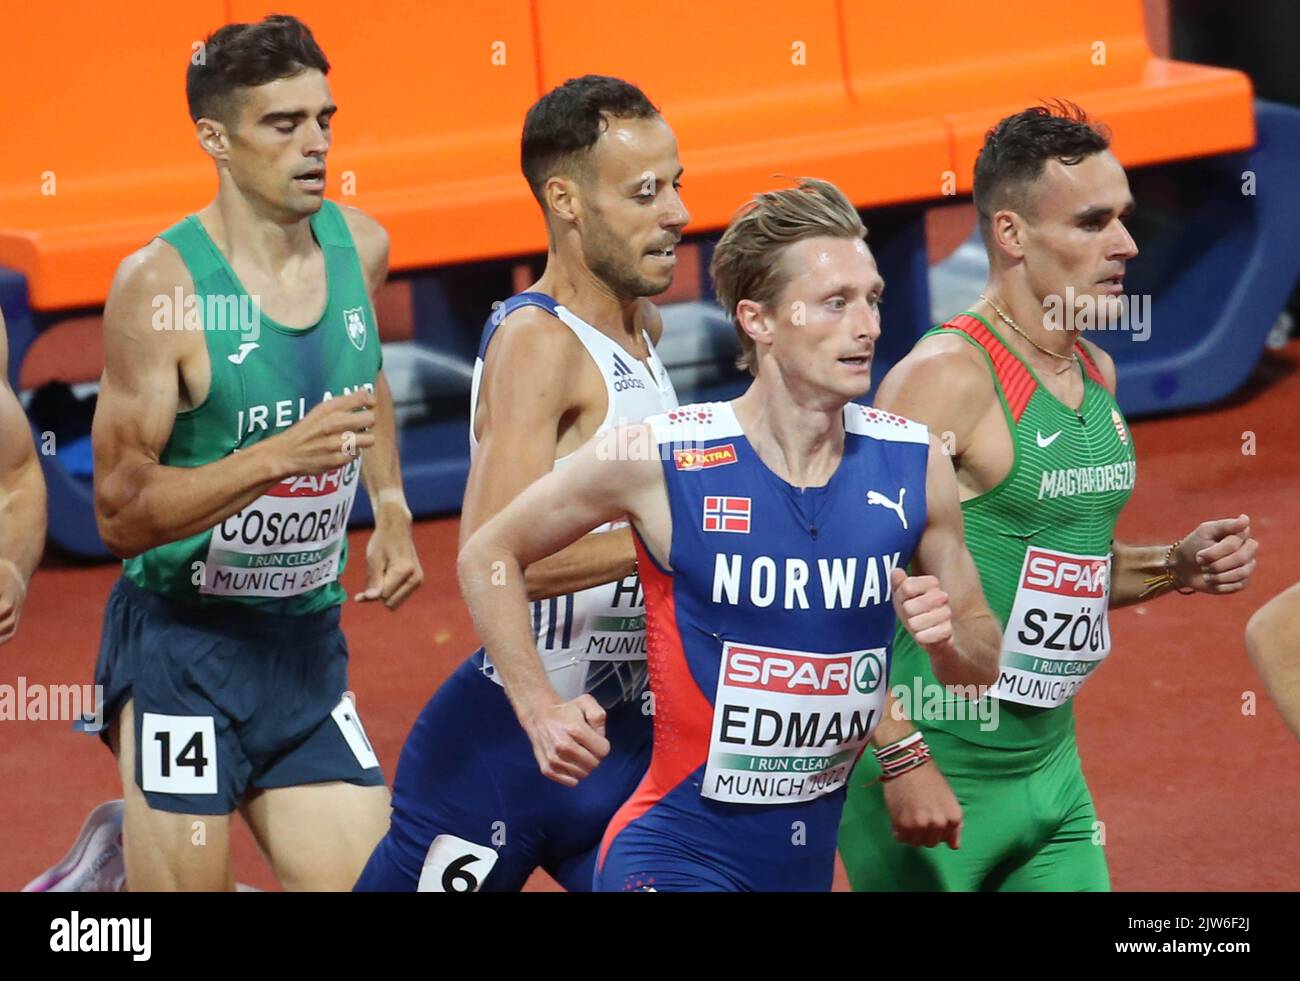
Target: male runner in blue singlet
(772, 535)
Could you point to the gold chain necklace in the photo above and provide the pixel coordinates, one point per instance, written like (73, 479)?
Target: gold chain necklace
(1073, 359)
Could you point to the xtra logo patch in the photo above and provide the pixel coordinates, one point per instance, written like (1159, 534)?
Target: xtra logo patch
(727, 514)
(355, 321)
(716, 456)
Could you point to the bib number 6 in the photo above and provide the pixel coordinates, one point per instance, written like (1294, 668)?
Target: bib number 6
(456, 879)
(455, 865)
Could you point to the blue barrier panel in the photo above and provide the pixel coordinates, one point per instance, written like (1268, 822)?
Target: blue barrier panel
(1220, 255)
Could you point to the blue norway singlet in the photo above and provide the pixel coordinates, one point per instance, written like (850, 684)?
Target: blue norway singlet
(768, 644)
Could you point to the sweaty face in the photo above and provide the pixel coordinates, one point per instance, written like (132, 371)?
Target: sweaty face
(277, 150)
(1075, 237)
(825, 324)
(631, 212)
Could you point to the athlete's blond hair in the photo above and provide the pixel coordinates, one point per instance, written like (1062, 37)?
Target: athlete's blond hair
(747, 263)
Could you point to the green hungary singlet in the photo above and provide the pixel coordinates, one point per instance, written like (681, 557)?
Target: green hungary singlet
(284, 552)
(1041, 540)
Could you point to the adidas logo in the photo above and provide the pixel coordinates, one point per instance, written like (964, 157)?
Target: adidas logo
(624, 378)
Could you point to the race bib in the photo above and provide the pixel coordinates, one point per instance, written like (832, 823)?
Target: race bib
(287, 542)
(354, 734)
(178, 754)
(1057, 632)
(614, 621)
(789, 725)
(455, 865)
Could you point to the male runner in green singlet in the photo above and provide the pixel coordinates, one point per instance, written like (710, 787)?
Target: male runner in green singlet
(242, 381)
(1044, 462)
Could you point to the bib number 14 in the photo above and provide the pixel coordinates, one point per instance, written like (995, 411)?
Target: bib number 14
(178, 754)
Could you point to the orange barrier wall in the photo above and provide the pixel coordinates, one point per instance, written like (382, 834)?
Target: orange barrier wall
(888, 98)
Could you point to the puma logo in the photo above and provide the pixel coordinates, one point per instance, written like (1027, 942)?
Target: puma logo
(875, 497)
(244, 350)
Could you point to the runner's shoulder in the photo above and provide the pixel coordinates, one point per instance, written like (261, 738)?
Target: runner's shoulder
(371, 241)
(533, 346)
(942, 370)
(951, 352)
(153, 271)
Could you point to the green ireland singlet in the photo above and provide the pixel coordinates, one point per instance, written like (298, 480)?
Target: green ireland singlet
(284, 552)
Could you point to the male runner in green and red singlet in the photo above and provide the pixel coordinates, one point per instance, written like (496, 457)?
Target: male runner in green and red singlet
(1045, 462)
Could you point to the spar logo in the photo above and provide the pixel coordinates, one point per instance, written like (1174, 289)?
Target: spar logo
(717, 456)
(316, 485)
(788, 672)
(1066, 575)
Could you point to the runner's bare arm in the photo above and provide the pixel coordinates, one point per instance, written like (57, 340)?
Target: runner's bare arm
(393, 569)
(1216, 557)
(567, 737)
(22, 501)
(1273, 643)
(923, 810)
(139, 502)
(894, 724)
(527, 391)
(944, 607)
(1131, 565)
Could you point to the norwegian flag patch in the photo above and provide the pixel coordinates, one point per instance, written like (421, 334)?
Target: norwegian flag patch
(727, 514)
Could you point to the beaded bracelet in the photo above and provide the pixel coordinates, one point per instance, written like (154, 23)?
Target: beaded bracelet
(1166, 578)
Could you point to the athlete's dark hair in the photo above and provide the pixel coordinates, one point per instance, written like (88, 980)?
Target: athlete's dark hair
(564, 124)
(245, 55)
(1017, 149)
